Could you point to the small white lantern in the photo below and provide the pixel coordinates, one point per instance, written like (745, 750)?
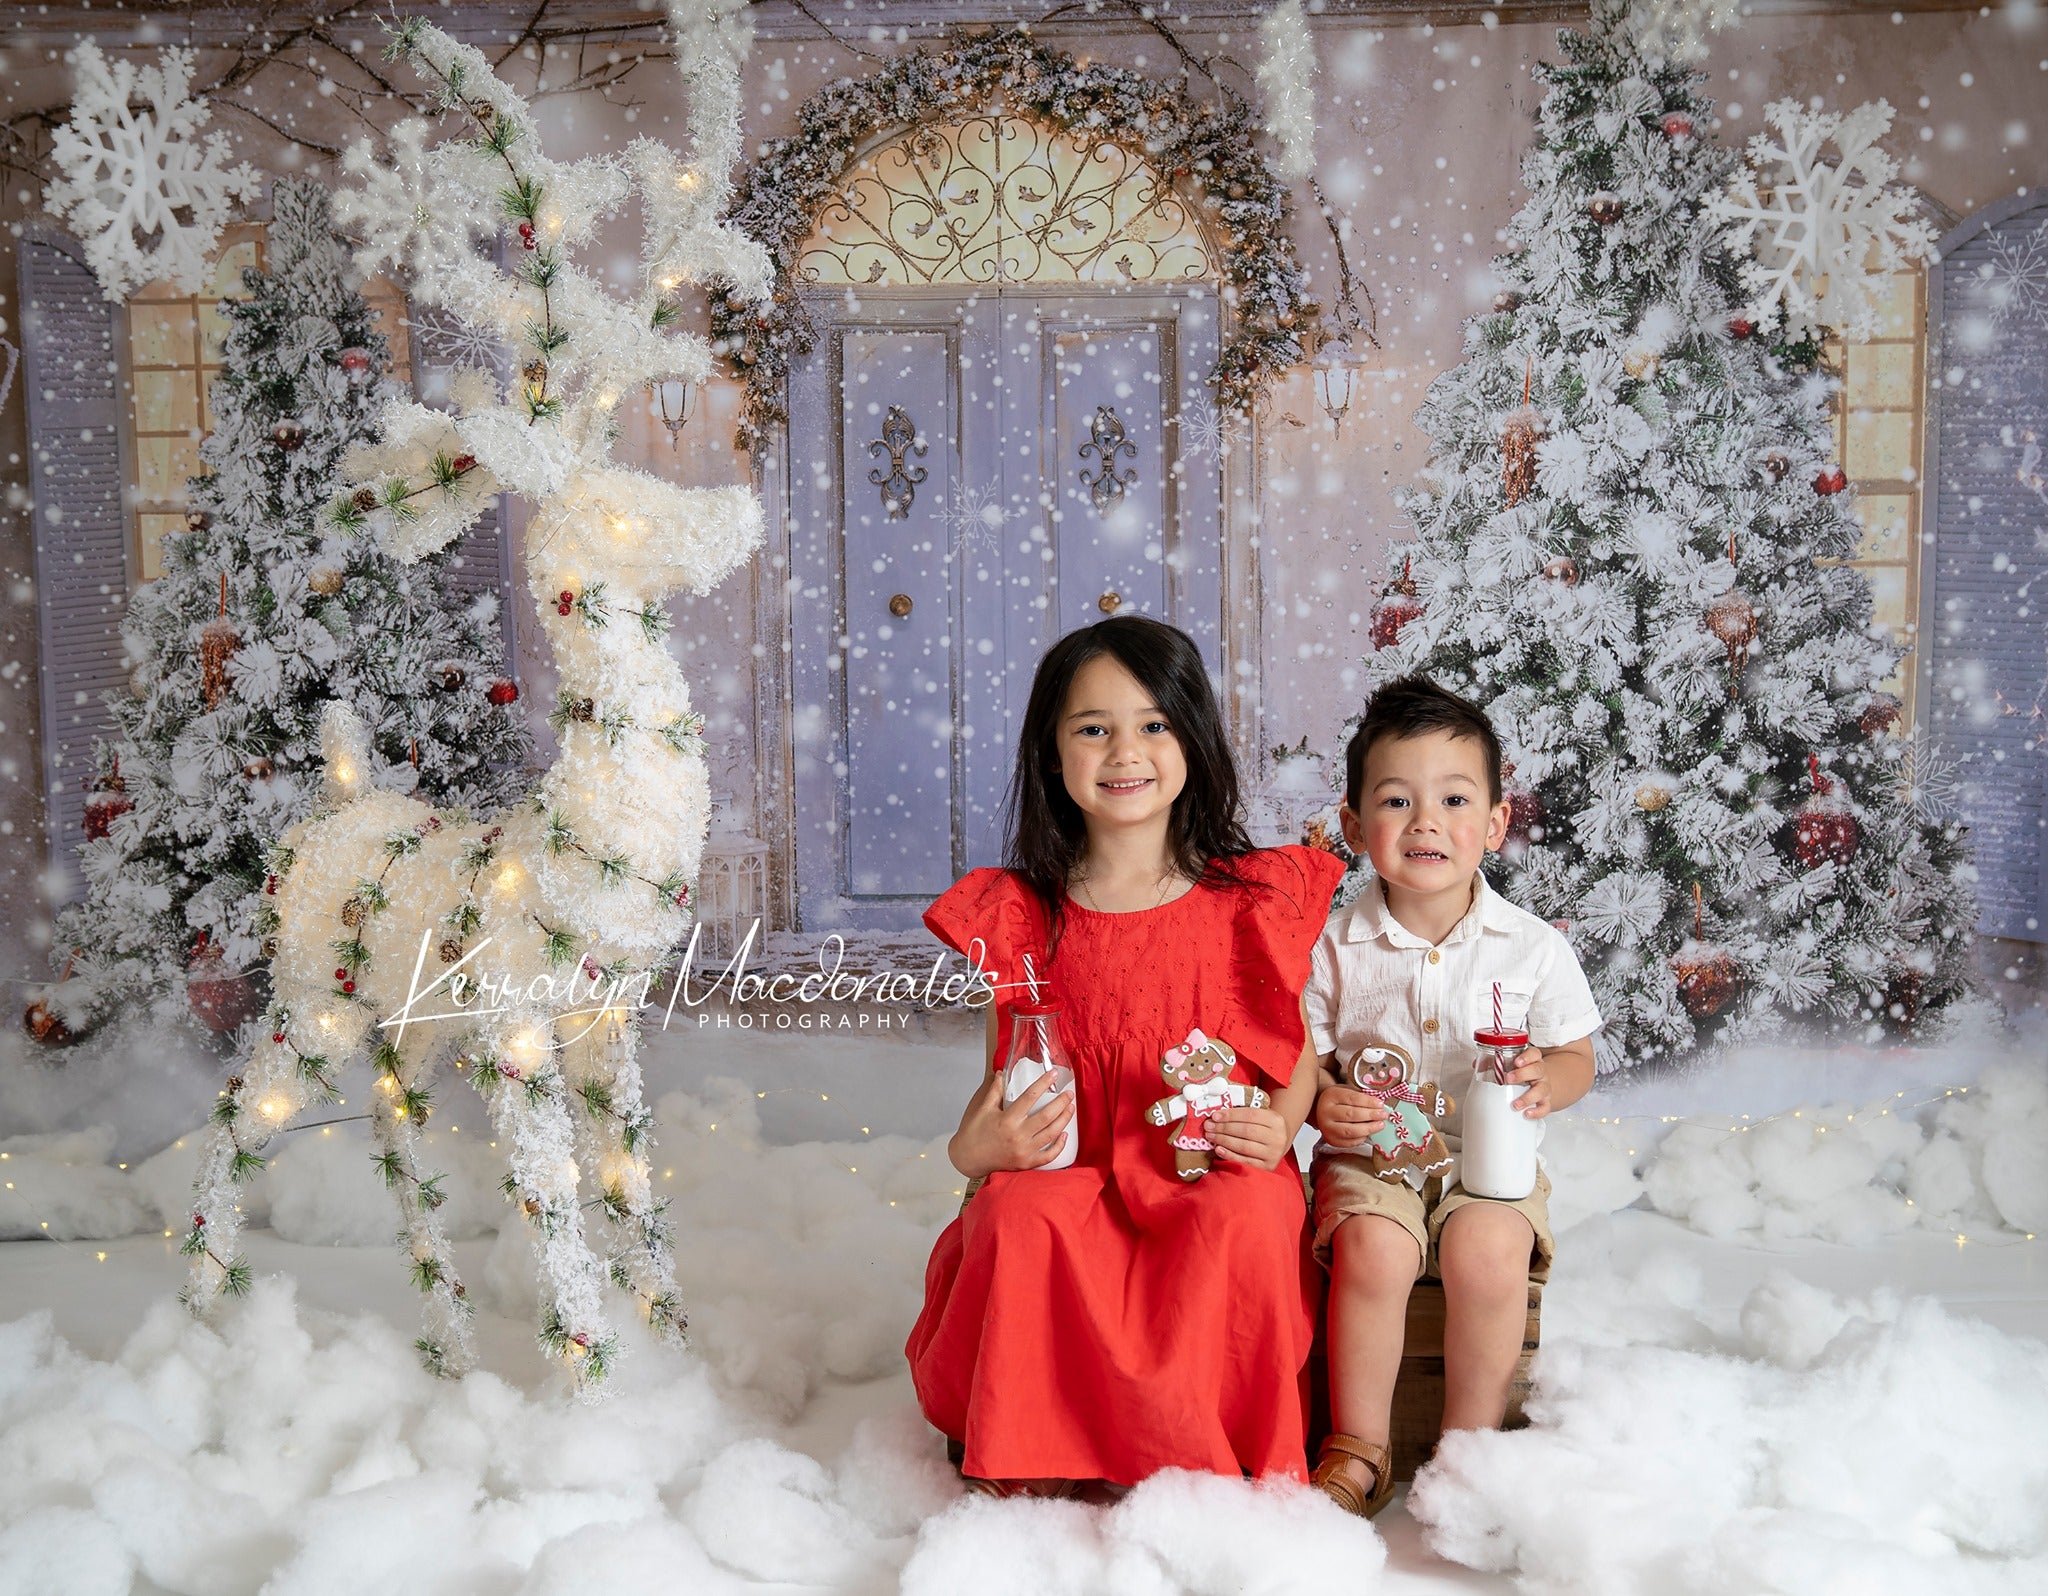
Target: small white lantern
(732, 884)
(673, 401)
(1337, 366)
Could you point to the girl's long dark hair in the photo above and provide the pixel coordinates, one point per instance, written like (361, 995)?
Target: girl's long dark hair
(1047, 832)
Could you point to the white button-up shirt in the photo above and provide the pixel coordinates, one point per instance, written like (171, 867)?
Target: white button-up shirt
(1371, 979)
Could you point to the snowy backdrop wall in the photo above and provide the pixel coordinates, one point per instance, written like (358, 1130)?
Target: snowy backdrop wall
(1421, 127)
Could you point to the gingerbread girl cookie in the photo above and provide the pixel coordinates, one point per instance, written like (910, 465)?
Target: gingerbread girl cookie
(1199, 1071)
(1408, 1141)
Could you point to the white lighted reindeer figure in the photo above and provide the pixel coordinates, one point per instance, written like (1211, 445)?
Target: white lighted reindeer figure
(568, 902)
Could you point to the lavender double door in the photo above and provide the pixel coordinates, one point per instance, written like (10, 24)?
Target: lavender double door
(971, 478)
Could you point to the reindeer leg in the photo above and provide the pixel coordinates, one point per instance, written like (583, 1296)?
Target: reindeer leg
(616, 1134)
(398, 1112)
(262, 1099)
(520, 1076)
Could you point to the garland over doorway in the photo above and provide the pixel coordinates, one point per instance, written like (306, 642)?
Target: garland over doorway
(1211, 147)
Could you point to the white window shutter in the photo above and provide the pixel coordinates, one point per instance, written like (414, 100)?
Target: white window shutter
(78, 474)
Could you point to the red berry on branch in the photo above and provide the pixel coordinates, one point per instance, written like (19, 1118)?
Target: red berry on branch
(1742, 327)
(348, 986)
(341, 975)
(463, 464)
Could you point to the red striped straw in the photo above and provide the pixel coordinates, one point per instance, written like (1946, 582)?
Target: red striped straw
(1496, 1006)
(1031, 977)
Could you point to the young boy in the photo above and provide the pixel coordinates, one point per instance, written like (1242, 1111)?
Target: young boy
(1406, 964)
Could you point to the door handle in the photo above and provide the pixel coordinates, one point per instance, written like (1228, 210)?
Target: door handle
(1110, 602)
(900, 605)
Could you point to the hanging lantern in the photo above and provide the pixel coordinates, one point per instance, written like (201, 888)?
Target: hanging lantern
(674, 399)
(1337, 366)
(106, 803)
(1397, 606)
(1825, 827)
(1709, 978)
(1519, 435)
(218, 640)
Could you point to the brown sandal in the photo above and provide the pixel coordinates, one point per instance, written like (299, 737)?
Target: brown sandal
(1329, 1476)
(1041, 1490)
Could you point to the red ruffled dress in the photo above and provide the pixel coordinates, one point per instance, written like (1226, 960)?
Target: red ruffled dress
(1109, 1320)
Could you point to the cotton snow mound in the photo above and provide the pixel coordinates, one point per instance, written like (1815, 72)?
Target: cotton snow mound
(1592, 1168)
(60, 1186)
(137, 1076)
(1854, 1175)
(1177, 1534)
(1813, 1445)
(309, 1455)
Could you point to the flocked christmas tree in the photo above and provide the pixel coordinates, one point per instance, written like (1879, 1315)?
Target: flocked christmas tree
(1627, 548)
(266, 611)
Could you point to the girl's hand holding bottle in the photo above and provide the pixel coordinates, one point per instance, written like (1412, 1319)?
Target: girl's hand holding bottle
(995, 1135)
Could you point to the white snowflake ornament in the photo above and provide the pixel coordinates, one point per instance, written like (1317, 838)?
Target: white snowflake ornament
(1819, 234)
(144, 192)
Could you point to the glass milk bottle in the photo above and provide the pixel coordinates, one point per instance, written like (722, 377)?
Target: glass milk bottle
(1034, 1051)
(1498, 1155)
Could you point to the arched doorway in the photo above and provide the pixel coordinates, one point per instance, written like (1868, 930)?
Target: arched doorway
(992, 381)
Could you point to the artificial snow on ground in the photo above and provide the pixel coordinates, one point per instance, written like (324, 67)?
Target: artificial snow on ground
(1729, 1398)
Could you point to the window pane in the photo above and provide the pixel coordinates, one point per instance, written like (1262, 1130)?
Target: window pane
(162, 466)
(1886, 518)
(227, 272)
(1881, 377)
(1880, 446)
(1898, 300)
(156, 529)
(165, 402)
(162, 335)
(1888, 598)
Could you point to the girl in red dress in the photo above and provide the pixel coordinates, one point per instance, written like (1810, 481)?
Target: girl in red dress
(1109, 1319)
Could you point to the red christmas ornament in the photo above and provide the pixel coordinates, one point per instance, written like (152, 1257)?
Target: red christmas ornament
(1831, 481)
(1741, 327)
(1880, 715)
(106, 803)
(1904, 993)
(1606, 207)
(288, 434)
(220, 999)
(502, 691)
(1677, 126)
(1825, 828)
(1397, 606)
(356, 362)
(1525, 815)
(1709, 979)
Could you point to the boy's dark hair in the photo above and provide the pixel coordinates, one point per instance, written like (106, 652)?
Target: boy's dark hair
(1409, 707)
(1047, 833)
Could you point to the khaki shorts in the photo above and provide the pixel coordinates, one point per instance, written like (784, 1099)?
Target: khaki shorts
(1345, 1185)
